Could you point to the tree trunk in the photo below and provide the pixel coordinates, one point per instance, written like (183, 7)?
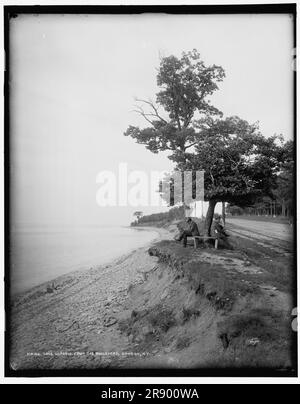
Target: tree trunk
(223, 213)
(209, 216)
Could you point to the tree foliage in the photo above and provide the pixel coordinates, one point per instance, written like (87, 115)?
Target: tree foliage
(238, 161)
(280, 199)
(185, 83)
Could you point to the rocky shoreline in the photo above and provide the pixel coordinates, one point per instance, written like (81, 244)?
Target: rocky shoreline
(61, 323)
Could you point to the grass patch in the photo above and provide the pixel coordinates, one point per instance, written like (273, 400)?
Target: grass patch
(279, 270)
(189, 313)
(162, 319)
(182, 343)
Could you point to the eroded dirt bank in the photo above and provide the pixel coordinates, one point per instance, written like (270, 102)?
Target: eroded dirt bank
(208, 308)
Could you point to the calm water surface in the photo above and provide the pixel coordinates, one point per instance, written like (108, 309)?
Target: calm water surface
(41, 254)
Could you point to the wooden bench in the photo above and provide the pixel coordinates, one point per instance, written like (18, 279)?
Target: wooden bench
(204, 238)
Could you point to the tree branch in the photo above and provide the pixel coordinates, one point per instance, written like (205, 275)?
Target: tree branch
(143, 114)
(156, 114)
(190, 145)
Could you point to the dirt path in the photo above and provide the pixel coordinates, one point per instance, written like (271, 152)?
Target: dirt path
(271, 230)
(275, 236)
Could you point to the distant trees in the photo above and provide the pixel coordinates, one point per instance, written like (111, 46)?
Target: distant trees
(284, 191)
(138, 214)
(234, 210)
(261, 207)
(280, 198)
(176, 213)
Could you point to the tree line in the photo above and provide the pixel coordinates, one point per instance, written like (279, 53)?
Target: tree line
(176, 213)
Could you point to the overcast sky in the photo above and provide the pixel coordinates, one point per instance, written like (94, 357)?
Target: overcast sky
(73, 83)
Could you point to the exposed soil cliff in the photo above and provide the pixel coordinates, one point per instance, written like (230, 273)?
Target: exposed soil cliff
(207, 308)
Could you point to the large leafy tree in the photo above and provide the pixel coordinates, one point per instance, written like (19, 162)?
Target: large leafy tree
(184, 86)
(239, 163)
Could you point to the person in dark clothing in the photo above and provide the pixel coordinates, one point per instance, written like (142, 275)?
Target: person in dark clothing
(218, 231)
(192, 230)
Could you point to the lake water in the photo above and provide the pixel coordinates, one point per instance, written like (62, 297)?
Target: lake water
(42, 254)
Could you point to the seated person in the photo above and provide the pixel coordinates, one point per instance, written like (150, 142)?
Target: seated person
(218, 231)
(192, 230)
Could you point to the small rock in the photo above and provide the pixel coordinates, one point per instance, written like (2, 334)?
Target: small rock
(130, 338)
(110, 321)
(146, 330)
(252, 342)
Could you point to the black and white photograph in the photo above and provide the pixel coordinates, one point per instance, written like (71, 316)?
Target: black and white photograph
(150, 190)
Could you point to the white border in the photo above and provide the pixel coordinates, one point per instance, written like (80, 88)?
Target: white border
(125, 380)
